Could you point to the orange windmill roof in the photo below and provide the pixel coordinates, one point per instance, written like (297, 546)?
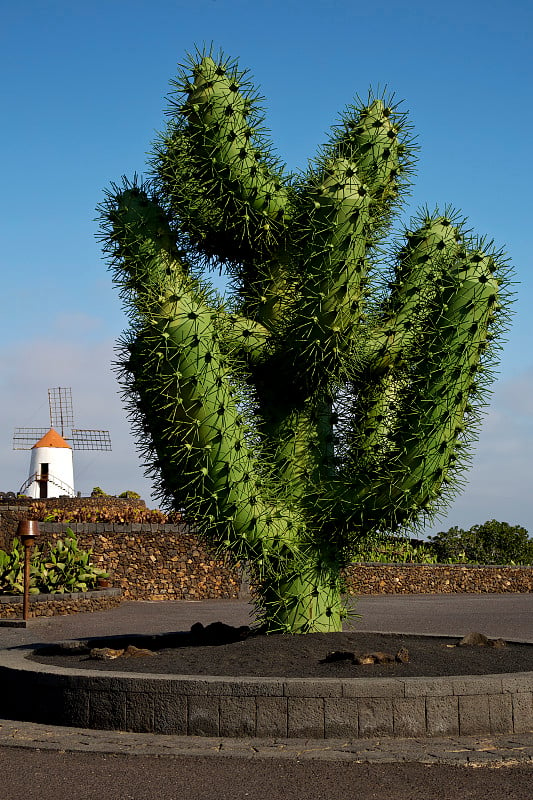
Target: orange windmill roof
(52, 439)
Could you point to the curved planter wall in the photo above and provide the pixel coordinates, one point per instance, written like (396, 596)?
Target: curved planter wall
(265, 707)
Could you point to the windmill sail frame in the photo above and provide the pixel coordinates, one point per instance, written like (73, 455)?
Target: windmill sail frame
(62, 420)
(84, 439)
(61, 411)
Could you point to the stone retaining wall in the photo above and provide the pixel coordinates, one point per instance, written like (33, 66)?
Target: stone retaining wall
(51, 605)
(436, 579)
(167, 562)
(158, 562)
(152, 562)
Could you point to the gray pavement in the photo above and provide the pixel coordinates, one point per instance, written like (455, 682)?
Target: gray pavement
(45, 774)
(507, 616)
(474, 751)
(39, 761)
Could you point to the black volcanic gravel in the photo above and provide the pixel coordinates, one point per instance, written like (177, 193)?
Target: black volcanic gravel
(223, 650)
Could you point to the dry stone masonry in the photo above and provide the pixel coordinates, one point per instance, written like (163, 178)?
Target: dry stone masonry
(158, 561)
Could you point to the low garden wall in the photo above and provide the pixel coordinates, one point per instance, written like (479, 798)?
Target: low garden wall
(51, 605)
(167, 562)
(154, 562)
(436, 579)
(147, 561)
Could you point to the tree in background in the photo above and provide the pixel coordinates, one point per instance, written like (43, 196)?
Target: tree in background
(329, 396)
(490, 543)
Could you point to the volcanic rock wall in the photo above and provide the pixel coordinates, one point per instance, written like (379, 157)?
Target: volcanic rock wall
(158, 561)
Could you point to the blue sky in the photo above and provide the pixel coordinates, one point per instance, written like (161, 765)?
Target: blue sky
(83, 94)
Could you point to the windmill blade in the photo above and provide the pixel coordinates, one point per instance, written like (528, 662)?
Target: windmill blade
(89, 439)
(25, 438)
(61, 413)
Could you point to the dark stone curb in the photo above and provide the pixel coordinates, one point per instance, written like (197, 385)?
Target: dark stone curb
(471, 751)
(293, 708)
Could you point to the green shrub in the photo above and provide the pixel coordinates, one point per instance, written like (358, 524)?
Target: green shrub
(492, 542)
(393, 550)
(12, 569)
(102, 513)
(64, 568)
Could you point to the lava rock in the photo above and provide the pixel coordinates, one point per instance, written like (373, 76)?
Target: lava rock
(378, 657)
(75, 648)
(137, 652)
(402, 656)
(475, 639)
(105, 653)
(338, 655)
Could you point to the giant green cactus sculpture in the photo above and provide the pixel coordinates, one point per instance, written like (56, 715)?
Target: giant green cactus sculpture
(324, 400)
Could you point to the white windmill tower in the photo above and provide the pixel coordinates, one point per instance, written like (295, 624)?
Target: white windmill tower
(51, 466)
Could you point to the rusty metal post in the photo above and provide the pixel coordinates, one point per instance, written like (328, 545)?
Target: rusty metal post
(27, 530)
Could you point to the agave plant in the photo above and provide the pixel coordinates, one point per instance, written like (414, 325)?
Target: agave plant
(334, 393)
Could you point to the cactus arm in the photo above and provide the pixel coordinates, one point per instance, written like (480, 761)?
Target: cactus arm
(197, 431)
(376, 135)
(444, 399)
(405, 318)
(347, 200)
(180, 380)
(398, 333)
(335, 268)
(217, 162)
(229, 193)
(136, 235)
(217, 108)
(434, 408)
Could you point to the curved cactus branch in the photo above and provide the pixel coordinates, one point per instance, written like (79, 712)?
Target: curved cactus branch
(217, 170)
(313, 408)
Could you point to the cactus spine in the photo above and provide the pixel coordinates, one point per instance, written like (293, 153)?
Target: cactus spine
(313, 407)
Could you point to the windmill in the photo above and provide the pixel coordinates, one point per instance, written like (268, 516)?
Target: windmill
(51, 465)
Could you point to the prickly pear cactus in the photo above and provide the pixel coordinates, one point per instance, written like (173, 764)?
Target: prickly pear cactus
(330, 396)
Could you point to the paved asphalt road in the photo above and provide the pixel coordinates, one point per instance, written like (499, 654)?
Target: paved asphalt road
(41, 763)
(509, 616)
(45, 775)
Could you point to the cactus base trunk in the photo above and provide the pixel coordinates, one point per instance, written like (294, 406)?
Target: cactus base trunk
(303, 603)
